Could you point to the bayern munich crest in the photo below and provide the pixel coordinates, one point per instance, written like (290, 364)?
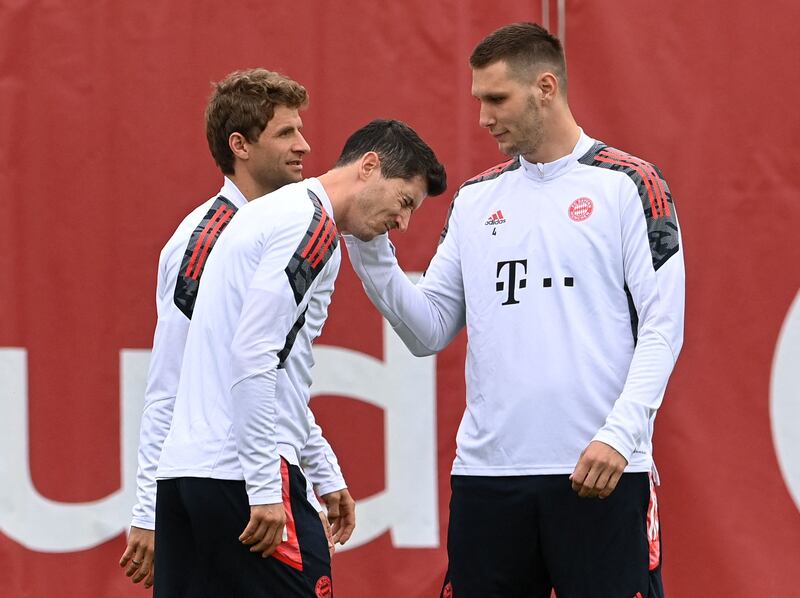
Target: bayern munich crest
(324, 588)
(581, 209)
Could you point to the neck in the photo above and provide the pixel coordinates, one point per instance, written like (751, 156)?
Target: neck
(561, 134)
(337, 187)
(248, 187)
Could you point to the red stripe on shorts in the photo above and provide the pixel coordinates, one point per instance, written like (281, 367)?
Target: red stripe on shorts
(653, 528)
(288, 552)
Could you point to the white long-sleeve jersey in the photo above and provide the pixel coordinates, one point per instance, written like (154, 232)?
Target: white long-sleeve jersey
(241, 403)
(569, 277)
(176, 291)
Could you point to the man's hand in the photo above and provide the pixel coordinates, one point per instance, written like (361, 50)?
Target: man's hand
(598, 470)
(137, 560)
(341, 514)
(264, 531)
(328, 535)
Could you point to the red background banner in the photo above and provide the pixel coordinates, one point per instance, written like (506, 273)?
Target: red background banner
(104, 152)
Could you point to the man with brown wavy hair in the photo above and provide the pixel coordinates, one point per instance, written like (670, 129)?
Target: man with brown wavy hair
(253, 127)
(247, 115)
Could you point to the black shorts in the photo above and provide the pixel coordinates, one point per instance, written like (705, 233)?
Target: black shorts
(199, 555)
(521, 536)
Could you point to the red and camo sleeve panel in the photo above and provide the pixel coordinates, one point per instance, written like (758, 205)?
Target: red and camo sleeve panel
(652, 259)
(202, 241)
(283, 354)
(659, 210)
(493, 172)
(314, 251)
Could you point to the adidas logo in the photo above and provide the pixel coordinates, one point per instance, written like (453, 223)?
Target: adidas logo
(495, 219)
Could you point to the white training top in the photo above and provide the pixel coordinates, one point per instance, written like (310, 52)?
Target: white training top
(569, 277)
(178, 280)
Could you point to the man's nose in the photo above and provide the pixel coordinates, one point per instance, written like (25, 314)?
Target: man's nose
(486, 118)
(301, 145)
(402, 220)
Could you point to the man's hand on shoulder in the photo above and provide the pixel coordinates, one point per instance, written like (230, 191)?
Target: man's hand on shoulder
(599, 469)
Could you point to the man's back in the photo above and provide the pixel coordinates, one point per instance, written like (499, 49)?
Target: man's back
(255, 294)
(168, 344)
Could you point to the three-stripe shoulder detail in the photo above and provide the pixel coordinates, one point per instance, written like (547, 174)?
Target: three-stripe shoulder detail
(314, 250)
(201, 242)
(654, 193)
(652, 187)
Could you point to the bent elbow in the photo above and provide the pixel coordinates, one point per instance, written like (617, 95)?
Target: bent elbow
(421, 351)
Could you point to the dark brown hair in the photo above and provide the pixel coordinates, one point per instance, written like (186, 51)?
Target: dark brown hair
(403, 154)
(244, 102)
(528, 48)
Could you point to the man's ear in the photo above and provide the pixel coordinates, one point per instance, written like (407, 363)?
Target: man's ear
(368, 164)
(547, 86)
(238, 145)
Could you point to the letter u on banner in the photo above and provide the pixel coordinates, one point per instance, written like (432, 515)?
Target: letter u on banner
(35, 521)
(403, 386)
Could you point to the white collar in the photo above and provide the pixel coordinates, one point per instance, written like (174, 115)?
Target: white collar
(550, 170)
(231, 192)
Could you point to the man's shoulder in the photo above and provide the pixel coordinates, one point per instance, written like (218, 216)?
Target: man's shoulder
(644, 179)
(290, 202)
(611, 158)
(287, 216)
(182, 233)
(495, 173)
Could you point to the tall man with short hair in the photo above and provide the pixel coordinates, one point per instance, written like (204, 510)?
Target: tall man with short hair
(565, 265)
(229, 489)
(254, 133)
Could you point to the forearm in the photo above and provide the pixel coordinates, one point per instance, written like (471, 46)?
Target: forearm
(319, 462)
(426, 319)
(659, 299)
(156, 420)
(630, 418)
(254, 427)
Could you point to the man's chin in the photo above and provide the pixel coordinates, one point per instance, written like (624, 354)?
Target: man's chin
(507, 149)
(367, 235)
(293, 176)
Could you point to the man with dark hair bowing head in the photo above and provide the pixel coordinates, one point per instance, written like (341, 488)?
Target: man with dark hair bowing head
(565, 265)
(253, 127)
(229, 489)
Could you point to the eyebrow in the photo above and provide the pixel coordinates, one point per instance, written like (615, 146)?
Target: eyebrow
(288, 129)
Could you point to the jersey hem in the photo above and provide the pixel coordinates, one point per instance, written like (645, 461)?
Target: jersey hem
(199, 473)
(499, 471)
